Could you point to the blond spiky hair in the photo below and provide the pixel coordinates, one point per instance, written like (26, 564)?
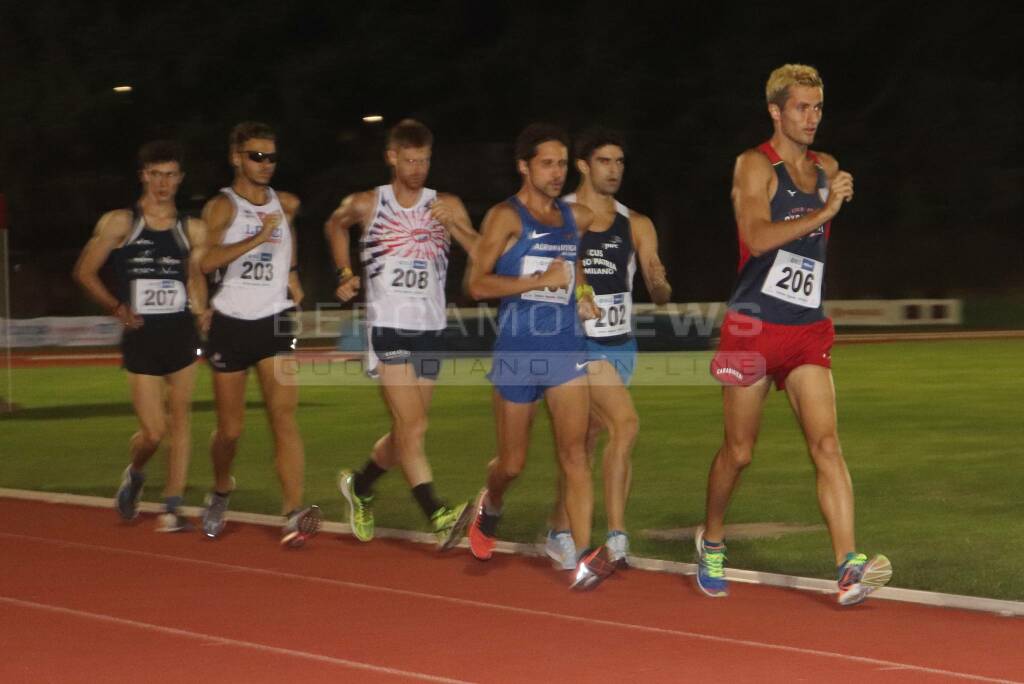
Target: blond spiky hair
(777, 89)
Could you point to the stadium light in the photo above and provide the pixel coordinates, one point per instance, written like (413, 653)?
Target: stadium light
(123, 89)
(373, 118)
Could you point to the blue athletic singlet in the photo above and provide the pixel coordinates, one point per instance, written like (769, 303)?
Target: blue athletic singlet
(539, 319)
(609, 261)
(540, 339)
(786, 285)
(152, 270)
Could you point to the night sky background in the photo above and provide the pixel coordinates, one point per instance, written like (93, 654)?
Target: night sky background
(922, 105)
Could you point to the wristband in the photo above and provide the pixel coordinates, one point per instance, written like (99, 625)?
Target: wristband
(344, 273)
(583, 290)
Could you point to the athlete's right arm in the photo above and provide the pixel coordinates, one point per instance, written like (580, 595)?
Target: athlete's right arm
(751, 199)
(354, 210)
(500, 227)
(110, 231)
(218, 213)
(198, 291)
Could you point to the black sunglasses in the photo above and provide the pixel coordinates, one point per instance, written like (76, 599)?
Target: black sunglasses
(259, 157)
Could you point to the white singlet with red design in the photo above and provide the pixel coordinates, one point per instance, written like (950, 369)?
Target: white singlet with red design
(404, 252)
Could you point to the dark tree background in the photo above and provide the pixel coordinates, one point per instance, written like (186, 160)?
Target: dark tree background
(923, 106)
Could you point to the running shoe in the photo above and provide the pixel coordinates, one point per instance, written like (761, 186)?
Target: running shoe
(561, 549)
(172, 522)
(858, 577)
(213, 514)
(482, 531)
(595, 566)
(128, 494)
(360, 513)
(450, 524)
(301, 525)
(618, 548)
(710, 567)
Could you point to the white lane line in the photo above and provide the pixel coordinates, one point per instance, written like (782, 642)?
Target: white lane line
(509, 609)
(210, 638)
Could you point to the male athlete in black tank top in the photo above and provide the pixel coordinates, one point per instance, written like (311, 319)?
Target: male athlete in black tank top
(160, 288)
(609, 253)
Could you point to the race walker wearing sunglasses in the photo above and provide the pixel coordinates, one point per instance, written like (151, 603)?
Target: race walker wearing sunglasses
(260, 157)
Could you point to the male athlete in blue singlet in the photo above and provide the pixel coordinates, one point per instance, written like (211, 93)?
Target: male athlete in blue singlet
(784, 196)
(527, 256)
(156, 252)
(610, 251)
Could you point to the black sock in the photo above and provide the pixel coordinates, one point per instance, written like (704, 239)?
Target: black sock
(424, 494)
(362, 483)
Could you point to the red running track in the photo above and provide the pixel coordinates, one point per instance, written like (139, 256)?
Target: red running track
(86, 598)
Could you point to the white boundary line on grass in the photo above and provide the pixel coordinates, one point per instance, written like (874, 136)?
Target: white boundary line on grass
(224, 641)
(929, 598)
(646, 629)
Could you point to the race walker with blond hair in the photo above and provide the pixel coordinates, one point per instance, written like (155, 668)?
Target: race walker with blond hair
(784, 197)
(405, 233)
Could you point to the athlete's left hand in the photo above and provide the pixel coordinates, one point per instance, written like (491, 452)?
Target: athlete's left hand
(587, 308)
(443, 213)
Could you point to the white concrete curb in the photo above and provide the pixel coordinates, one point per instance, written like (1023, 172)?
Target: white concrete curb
(928, 598)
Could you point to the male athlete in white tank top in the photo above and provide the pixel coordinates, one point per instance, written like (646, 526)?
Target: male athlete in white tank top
(252, 241)
(404, 252)
(255, 285)
(405, 232)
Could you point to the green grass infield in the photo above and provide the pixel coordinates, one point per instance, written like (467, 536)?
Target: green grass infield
(932, 433)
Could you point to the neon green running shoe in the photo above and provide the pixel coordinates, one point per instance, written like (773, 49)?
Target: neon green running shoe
(450, 524)
(710, 567)
(360, 513)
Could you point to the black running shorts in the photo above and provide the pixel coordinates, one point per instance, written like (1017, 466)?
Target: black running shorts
(235, 344)
(163, 345)
(422, 348)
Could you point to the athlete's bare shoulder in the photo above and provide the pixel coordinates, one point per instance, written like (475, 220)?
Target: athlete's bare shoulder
(639, 218)
(828, 163)
(753, 169)
(218, 212)
(503, 213)
(360, 204)
(289, 202)
(583, 214)
(114, 224)
(753, 159)
(219, 203)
